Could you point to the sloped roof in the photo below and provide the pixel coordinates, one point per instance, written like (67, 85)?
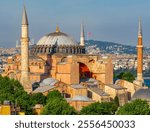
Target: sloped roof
(80, 98)
(43, 89)
(76, 86)
(98, 91)
(114, 86)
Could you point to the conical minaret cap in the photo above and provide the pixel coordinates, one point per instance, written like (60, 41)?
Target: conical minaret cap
(140, 27)
(24, 17)
(82, 30)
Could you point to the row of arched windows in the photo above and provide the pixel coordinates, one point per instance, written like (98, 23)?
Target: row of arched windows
(57, 49)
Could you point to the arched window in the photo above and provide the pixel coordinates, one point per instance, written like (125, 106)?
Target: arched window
(64, 59)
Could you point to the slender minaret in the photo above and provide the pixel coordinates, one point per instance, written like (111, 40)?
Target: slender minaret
(17, 44)
(140, 54)
(25, 52)
(82, 37)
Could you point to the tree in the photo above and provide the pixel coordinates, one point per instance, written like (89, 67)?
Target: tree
(24, 103)
(53, 95)
(10, 89)
(126, 76)
(105, 108)
(57, 105)
(136, 107)
(13, 91)
(37, 98)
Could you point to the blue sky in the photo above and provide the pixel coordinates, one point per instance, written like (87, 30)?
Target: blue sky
(108, 20)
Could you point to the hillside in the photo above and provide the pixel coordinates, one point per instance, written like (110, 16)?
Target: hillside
(111, 47)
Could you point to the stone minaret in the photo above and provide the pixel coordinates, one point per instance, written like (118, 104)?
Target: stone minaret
(140, 55)
(25, 52)
(82, 37)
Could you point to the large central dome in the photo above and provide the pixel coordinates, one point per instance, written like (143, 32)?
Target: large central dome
(57, 38)
(57, 42)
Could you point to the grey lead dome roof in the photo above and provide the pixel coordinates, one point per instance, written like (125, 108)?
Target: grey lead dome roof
(49, 82)
(57, 38)
(143, 94)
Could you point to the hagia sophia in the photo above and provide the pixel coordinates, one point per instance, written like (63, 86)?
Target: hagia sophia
(58, 62)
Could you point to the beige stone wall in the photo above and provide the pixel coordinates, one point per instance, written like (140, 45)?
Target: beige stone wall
(121, 94)
(64, 78)
(95, 96)
(39, 68)
(64, 68)
(75, 92)
(131, 87)
(109, 72)
(123, 97)
(101, 77)
(69, 90)
(79, 92)
(75, 73)
(54, 61)
(35, 78)
(68, 73)
(112, 92)
(45, 57)
(78, 105)
(106, 99)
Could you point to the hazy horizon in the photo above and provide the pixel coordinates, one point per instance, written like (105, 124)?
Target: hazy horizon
(113, 21)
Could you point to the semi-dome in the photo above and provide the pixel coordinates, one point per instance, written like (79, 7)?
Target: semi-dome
(143, 94)
(57, 38)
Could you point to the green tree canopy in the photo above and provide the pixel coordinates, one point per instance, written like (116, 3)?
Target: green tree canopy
(105, 108)
(57, 105)
(24, 102)
(10, 89)
(13, 91)
(136, 107)
(54, 94)
(126, 76)
(38, 98)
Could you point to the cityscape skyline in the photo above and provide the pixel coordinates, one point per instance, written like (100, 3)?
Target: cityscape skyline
(107, 21)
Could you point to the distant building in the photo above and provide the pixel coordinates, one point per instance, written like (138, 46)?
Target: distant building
(10, 109)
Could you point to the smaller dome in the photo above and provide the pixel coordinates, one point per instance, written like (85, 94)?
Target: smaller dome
(49, 82)
(143, 94)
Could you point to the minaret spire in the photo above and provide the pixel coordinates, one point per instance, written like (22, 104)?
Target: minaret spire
(25, 81)
(82, 36)
(140, 27)
(24, 17)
